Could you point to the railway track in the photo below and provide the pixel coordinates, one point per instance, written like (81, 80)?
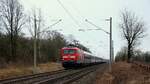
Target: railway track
(25, 79)
(56, 77)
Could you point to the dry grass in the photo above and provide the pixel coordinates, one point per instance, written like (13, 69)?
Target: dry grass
(15, 70)
(50, 67)
(124, 73)
(105, 78)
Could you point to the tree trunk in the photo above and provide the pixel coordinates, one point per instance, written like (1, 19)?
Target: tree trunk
(129, 53)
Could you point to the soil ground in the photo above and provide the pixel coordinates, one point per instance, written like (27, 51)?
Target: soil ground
(13, 70)
(124, 73)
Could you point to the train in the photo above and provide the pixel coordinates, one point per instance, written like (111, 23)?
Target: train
(76, 57)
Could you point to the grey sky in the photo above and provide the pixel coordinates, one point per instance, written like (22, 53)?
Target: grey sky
(95, 11)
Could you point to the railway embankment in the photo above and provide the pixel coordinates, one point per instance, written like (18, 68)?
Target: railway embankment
(69, 76)
(125, 73)
(19, 70)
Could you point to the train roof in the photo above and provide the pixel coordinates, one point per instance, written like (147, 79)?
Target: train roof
(70, 48)
(91, 54)
(88, 53)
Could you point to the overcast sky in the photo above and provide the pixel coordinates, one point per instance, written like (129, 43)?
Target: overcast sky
(95, 11)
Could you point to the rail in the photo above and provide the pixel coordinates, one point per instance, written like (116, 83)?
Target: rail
(22, 79)
(55, 77)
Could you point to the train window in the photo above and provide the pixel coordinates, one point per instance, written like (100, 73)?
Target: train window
(87, 56)
(78, 51)
(69, 51)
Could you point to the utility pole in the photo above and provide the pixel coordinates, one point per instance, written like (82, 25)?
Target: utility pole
(35, 43)
(38, 35)
(112, 51)
(110, 61)
(37, 32)
(111, 43)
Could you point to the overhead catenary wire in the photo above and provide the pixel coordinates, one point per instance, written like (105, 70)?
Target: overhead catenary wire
(99, 28)
(70, 15)
(79, 13)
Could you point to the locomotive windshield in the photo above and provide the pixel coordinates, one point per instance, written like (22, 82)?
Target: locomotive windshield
(69, 51)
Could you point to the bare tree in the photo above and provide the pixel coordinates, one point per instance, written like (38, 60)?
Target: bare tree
(12, 17)
(133, 29)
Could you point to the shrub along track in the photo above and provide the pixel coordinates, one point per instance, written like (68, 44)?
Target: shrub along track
(55, 77)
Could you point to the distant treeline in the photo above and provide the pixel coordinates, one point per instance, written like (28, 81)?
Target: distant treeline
(48, 50)
(137, 55)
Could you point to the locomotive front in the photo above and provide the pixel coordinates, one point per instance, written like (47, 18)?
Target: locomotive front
(69, 57)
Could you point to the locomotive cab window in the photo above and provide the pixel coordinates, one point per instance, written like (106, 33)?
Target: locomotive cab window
(69, 51)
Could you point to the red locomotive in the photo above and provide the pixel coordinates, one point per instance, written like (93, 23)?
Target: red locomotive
(75, 57)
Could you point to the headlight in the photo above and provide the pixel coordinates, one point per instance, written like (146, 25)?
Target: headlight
(72, 56)
(65, 56)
